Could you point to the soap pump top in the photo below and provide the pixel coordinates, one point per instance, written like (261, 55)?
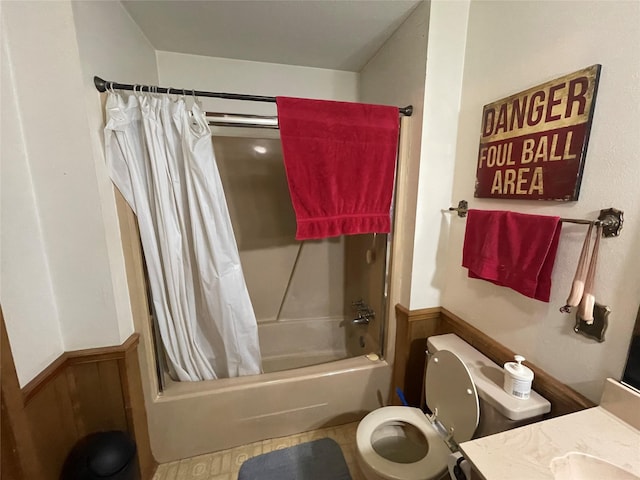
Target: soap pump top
(518, 370)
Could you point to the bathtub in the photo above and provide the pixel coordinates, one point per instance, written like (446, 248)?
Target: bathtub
(193, 418)
(308, 383)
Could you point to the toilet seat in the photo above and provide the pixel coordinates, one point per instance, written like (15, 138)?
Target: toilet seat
(452, 396)
(432, 465)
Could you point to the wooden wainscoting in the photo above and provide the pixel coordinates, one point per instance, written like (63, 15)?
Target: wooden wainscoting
(412, 330)
(82, 392)
(415, 326)
(17, 457)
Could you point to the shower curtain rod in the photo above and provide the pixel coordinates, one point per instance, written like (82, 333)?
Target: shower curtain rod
(104, 85)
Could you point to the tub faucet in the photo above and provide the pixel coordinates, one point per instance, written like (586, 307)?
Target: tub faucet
(364, 318)
(364, 312)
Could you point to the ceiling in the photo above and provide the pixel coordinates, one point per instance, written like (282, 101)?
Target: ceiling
(333, 34)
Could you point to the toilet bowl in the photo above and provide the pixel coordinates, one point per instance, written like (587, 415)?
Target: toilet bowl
(399, 443)
(396, 443)
(402, 443)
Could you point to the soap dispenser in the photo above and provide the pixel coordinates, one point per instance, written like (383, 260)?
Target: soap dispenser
(517, 378)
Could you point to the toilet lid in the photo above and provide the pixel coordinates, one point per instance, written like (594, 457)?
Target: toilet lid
(452, 395)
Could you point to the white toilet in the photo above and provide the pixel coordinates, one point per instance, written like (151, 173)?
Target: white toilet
(464, 391)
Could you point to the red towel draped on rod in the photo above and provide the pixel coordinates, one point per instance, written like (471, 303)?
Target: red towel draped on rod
(513, 250)
(340, 161)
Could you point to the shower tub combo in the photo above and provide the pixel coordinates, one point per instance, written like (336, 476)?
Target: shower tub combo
(321, 307)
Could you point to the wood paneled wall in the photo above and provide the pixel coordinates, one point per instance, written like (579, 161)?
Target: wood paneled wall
(18, 459)
(415, 326)
(412, 330)
(82, 392)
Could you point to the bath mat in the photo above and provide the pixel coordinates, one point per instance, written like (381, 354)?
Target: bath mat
(318, 460)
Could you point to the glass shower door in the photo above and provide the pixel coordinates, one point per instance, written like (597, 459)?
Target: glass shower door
(302, 292)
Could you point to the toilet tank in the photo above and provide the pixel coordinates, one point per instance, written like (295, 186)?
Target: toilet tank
(499, 411)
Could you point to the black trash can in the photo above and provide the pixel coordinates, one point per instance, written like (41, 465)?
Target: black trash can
(102, 456)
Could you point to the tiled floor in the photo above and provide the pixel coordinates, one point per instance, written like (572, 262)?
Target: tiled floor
(224, 465)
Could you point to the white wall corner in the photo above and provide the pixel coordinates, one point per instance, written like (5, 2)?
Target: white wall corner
(395, 76)
(104, 31)
(443, 87)
(61, 157)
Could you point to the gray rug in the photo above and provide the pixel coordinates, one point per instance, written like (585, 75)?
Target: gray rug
(318, 460)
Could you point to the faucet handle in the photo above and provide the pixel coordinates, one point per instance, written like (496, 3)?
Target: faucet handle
(361, 319)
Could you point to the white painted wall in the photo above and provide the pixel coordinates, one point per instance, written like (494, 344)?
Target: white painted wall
(512, 46)
(111, 46)
(316, 288)
(445, 61)
(44, 61)
(254, 78)
(396, 76)
(63, 283)
(26, 290)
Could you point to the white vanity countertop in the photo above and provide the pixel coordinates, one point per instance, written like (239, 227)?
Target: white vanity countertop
(525, 453)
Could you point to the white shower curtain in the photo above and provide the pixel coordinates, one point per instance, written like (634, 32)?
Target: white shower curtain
(161, 158)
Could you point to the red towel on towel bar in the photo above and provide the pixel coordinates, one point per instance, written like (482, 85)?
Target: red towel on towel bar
(512, 250)
(340, 161)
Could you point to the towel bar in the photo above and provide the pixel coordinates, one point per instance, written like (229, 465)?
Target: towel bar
(611, 219)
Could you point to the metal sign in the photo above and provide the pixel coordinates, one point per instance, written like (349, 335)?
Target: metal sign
(533, 144)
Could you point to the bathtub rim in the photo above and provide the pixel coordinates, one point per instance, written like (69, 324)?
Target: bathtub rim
(180, 390)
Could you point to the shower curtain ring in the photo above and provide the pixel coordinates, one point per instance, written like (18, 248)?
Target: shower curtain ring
(195, 99)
